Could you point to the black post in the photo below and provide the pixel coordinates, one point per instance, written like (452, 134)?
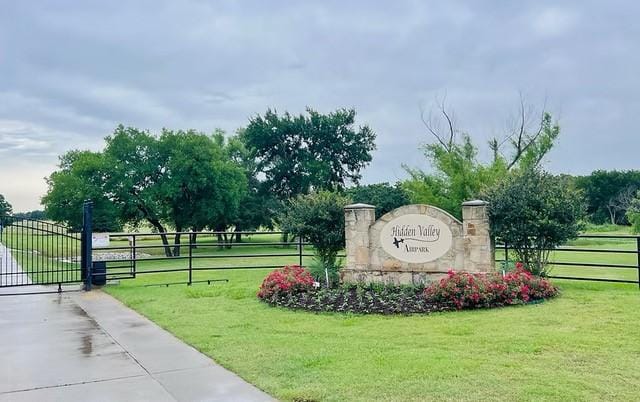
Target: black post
(638, 252)
(87, 243)
(133, 255)
(190, 259)
(506, 256)
(83, 252)
(300, 245)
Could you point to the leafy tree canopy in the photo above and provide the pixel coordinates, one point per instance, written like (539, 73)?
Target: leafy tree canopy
(608, 194)
(384, 196)
(258, 206)
(297, 154)
(80, 177)
(458, 175)
(181, 179)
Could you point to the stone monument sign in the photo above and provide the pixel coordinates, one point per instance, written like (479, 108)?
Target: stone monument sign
(415, 243)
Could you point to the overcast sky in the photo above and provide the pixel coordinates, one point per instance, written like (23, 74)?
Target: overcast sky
(70, 71)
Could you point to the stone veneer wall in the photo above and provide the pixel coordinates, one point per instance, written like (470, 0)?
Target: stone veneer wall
(366, 261)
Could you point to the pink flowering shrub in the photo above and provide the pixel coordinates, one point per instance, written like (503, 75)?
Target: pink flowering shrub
(289, 279)
(465, 290)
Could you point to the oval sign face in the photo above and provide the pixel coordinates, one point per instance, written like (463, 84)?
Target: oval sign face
(416, 238)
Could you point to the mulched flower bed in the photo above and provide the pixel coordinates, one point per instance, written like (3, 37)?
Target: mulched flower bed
(360, 299)
(293, 287)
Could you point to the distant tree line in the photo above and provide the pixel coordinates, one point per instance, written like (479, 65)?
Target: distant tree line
(608, 194)
(38, 215)
(6, 209)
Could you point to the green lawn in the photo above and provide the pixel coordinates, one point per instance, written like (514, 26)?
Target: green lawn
(580, 346)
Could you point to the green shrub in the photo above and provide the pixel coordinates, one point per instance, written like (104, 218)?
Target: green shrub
(534, 212)
(319, 219)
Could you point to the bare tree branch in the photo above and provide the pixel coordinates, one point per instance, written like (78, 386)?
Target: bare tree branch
(518, 143)
(446, 139)
(520, 138)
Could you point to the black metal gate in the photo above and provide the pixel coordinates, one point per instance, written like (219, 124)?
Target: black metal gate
(34, 252)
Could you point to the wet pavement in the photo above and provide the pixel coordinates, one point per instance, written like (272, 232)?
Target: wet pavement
(10, 272)
(88, 346)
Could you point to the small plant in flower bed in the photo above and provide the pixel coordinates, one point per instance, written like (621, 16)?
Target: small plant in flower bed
(293, 287)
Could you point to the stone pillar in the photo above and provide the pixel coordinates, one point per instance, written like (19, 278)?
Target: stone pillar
(479, 253)
(357, 220)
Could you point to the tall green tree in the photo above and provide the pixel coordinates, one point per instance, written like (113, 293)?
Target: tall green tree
(258, 205)
(5, 207)
(180, 179)
(297, 154)
(456, 173)
(136, 175)
(202, 186)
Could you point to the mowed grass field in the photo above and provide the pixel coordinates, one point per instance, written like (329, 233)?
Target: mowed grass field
(583, 345)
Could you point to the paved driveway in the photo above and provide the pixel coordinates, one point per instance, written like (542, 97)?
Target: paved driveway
(87, 346)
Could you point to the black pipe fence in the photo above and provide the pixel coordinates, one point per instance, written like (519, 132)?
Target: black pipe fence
(594, 257)
(602, 258)
(119, 256)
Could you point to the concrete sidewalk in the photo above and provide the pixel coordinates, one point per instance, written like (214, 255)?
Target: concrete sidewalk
(90, 347)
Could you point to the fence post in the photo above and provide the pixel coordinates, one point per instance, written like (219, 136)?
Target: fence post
(134, 252)
(300, 245)
(506, 256)
(638, 254)
(190, 259)
(87, 245)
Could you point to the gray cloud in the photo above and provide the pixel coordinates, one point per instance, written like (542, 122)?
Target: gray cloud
(69, 72)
